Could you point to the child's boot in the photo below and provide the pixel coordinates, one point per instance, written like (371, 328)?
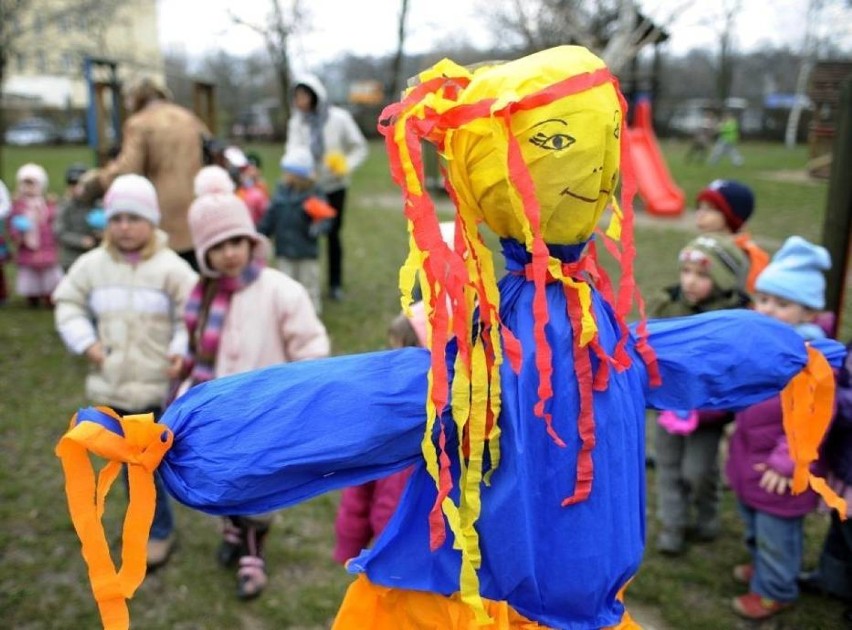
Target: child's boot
(756, 607)
(670, 541)
(708, 531)
(158, 551)
(251, 574)
(229, 549)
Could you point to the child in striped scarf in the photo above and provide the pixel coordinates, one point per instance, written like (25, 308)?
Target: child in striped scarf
(243, 316)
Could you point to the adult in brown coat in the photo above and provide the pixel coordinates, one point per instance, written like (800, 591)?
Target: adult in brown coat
(164, 142)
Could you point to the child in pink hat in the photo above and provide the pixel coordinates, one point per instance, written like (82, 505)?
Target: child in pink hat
(241, 316)
(31, 229)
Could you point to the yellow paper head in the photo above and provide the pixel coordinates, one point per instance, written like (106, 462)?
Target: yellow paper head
(570, 146)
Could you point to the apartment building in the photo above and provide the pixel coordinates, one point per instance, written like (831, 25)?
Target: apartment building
(51, 38)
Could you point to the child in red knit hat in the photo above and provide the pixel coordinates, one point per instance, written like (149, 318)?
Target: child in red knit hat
(724, 206)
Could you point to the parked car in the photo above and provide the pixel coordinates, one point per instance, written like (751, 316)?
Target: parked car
(74, 132)
(32, 131)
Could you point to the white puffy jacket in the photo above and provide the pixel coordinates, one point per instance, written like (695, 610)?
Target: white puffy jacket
(135, 311)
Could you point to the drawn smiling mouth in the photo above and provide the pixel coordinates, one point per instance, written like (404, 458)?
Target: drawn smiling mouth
(569, 193)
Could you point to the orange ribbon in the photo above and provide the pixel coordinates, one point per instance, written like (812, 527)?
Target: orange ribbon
(141, 444)
(808, 405)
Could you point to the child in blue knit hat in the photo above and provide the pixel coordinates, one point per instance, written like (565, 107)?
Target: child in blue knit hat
(792, 287)
(297, 216)
(760, 469)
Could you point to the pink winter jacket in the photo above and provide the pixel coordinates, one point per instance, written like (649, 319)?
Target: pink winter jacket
(364, 511)
(273, 302)
(46, 255)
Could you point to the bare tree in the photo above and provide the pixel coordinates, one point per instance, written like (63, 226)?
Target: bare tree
(614, 29)
(10, 33)
(829, 16)
(281, 25)
(15, 31)
(394, 84)
(805, 67)
(727, 34)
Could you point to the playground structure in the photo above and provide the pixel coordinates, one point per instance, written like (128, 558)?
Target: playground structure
(105, 110)
(660, 195)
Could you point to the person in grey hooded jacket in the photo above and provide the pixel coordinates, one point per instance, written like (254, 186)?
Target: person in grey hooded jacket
(338, 147)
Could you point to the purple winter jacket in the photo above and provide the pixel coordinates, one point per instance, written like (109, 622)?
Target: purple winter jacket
(837, 448)
(759, 439)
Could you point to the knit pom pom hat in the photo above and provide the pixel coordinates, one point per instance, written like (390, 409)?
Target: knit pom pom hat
(732, 199)
(217, 217)
(33, 172)
(796, 273)
(726, 264)
(132, 194)
(213, 179)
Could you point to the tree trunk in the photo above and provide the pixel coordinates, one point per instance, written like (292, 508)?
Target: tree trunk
(808, 55)
(792, 130)
(2, 107)
(282, 69)
(395, 83)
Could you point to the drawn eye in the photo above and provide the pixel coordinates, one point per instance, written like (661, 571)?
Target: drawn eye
(553, 142)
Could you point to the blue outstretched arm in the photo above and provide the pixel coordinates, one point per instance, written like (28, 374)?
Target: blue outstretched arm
(349, 419)
(726, 359)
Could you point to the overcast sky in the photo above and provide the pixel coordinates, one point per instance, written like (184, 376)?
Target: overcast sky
(369, 26)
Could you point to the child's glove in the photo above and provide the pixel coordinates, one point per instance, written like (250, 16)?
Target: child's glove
(21, 223)
(96, 219)
(335, 161)
(678, 421)
(318, 209)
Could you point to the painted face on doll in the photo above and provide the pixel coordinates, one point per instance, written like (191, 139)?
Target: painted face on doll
(709, 219)
(696, 285)
(129, 232)
(782, 309)
(571, 148)
(231, 256)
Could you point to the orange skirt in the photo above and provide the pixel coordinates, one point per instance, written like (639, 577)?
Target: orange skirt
(368, 605)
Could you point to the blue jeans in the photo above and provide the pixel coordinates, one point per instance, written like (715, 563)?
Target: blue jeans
(776, 547)
(835, 562)
(164, 523)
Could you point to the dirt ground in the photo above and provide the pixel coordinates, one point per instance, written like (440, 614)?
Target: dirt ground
(647, 617)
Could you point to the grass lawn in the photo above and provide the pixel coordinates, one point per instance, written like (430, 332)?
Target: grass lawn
(43, 581)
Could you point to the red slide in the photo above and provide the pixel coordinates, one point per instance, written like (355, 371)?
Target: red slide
(660, 195)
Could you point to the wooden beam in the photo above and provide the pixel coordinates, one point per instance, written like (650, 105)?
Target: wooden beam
(838, 216)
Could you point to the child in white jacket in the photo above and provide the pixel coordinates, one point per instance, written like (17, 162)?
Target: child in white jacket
(243, 316)
(121, 305)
